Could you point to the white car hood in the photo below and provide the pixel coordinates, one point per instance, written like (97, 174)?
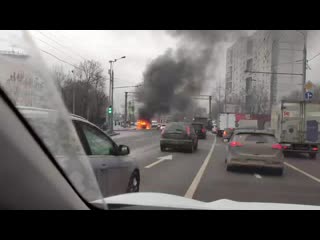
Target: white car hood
(173, 201)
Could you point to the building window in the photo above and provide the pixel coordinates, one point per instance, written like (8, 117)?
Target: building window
(248, 84)
(249, 47)
(249, 65)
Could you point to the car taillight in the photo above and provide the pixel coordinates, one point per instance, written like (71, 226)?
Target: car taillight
(277, 146)
(203, 130)
(315, 149)
(188, 131)
(235, 144)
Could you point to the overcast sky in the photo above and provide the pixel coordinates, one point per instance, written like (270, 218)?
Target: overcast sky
(139, 47)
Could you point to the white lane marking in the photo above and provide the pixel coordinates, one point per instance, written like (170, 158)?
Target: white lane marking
(257, 175)
(303, 172)
(196, 180)
(161, 159)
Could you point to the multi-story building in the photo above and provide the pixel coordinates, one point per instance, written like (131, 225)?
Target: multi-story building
(21, 80)
(250, 86)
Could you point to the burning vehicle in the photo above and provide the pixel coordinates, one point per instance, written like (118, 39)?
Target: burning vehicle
(143, 124)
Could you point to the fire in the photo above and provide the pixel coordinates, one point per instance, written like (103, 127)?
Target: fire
(143, 124)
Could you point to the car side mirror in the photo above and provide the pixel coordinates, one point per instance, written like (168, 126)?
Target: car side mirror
(124, 150)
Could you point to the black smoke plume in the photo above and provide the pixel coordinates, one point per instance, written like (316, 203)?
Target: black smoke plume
(173, 77)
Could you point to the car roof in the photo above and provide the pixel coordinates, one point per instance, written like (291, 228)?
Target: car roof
(35, 110)
(256, 131)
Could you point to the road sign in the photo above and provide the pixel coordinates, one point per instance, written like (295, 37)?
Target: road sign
(308, 95)
(312, 131)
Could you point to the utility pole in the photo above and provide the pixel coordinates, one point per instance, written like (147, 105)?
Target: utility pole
(219, 97)
(225, 100)
(210, 109)
(125, 109)
(73, 94)
(304, 64)
(111, 97)
(111, 73)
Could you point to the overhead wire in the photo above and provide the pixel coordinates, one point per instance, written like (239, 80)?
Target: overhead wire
(61, 45)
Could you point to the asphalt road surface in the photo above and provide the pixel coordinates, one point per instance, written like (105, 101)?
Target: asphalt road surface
(202, 175)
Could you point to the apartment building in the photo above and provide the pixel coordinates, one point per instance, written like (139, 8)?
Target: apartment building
(20, 79)
(250, 86)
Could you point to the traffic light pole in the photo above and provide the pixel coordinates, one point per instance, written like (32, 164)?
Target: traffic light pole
(125, 109)
(210, 109)
(111, 98)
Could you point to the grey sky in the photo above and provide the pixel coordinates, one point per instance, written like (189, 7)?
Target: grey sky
(139, 47)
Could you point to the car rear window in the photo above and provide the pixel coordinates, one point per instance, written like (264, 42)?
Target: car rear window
(175, 127)
(256, 137)
(197, 126)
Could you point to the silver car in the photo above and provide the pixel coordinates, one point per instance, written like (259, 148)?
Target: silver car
(116, 173)
(254, 148)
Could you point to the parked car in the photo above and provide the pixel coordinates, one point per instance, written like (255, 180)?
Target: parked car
(116, 173)
(179, 135)
(254, 148)
(200, 130)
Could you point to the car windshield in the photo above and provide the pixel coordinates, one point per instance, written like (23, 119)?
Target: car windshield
(201, 114)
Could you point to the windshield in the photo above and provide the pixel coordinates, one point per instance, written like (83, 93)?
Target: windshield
(162, 111)
(34, 90)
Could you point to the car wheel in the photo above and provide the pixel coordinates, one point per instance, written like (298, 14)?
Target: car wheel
(229, 168)
(191, 150)
(162, 148)
(134, 182)
(279, 171)
(312, 155)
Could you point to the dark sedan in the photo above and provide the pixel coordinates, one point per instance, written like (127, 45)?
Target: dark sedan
(179, 135)
(200, 130)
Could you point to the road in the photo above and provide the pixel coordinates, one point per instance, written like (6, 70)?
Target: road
(202, 175)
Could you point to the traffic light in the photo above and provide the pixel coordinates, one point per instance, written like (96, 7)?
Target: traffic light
(110, 109)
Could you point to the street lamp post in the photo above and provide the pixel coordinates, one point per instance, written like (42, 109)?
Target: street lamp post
(73, 93)
(111, 87)
(304, 65)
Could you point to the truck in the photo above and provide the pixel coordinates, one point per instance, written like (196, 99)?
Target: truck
(206, 121)
(226, 120)
(248, 123)
(262, 120)
(296, 126)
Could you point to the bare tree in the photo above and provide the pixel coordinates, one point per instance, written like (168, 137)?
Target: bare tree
(87, 82)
